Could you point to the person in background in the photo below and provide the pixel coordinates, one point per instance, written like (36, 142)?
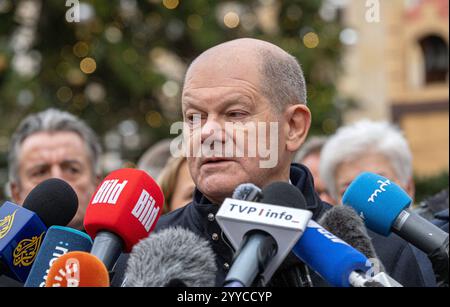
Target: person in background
(55, 144)
(309, 155)
(366, 146)
(176, 184)
(377, 147)
(435, 209)
(155, 158)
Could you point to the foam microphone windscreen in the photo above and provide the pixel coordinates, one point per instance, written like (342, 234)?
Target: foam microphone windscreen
(54, 201)
(344, 222)
(248, 192)
(77, 269)
(171, 257)
(283, 194)
(378, 200)
(127, 203)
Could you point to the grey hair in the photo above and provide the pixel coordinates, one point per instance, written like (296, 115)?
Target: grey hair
(313, 145)
(51, 120)
(352, 141)
(282, 80)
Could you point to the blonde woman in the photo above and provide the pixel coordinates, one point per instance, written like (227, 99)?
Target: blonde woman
(176, 184)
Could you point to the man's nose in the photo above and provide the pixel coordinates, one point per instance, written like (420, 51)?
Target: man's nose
(56, 172)
(212, 128)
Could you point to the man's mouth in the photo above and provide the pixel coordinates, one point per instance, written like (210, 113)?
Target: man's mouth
(215, 161)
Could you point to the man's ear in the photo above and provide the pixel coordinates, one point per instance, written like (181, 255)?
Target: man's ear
(298, 121)
(15, 193)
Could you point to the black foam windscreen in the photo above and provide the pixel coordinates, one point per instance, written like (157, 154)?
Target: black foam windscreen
(54, 201)
(248, 192)
(283, 194)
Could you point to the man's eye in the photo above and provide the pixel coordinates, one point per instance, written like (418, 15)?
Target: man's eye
(39, 173)
(74, 170)
(193, 117)
(236, 114)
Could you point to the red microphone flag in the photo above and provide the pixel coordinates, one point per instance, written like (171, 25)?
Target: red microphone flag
(128, 203)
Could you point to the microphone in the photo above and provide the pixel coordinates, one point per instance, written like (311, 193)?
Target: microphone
(123, 210)
(54, 201)
(22, 228)
(263, 234)
(381, 204)
(345, 223)
(58, 241)
(317, 244)
(248, 192)
(172, 257)
(77, 269)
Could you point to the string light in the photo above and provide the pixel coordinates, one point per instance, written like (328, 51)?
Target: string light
(171, 4)
(88, 65)
(311, 40)
(231, 20)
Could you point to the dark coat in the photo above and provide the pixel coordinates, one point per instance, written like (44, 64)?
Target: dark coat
(396, 254)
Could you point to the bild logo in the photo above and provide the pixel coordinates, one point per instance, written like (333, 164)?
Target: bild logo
(109, 192)
(145, 210)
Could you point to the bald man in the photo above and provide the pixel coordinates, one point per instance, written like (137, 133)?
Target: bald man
(244, 83)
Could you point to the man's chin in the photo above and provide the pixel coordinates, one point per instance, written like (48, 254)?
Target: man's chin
(216, 188)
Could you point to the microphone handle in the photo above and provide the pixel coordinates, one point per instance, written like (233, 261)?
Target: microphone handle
(234, 284)
(107, 247)
(412, 228)
(257, 249)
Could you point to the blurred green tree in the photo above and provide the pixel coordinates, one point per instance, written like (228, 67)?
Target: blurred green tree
(120, 68)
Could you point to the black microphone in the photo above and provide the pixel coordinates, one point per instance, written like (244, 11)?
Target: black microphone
(344, 222)
(262, 233)
(54, 201)
(248, 192)
(172, 257)
(22, 228)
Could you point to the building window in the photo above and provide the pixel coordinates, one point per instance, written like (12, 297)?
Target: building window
(435, 55)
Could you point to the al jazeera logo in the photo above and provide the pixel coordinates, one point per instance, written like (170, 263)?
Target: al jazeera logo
(6, 224)
(27, 250)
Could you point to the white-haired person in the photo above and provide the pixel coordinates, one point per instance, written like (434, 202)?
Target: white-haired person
(377, 147)
(371, 146)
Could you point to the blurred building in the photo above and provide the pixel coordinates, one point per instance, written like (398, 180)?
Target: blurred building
(396, 68)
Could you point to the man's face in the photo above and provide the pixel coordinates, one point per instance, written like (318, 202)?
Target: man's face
(376, 163)
(229, 92)
(61, 155)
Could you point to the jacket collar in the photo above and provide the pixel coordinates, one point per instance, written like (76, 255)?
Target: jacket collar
(300, 177)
